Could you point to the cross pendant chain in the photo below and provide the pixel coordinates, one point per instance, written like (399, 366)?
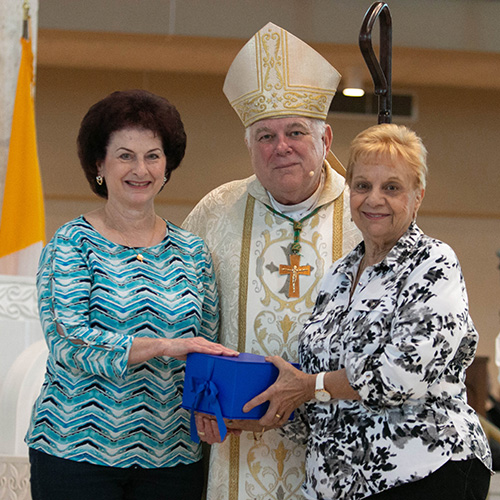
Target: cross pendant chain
(294, 270)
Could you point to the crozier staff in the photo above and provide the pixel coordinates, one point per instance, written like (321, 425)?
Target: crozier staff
(124, 295)
(385, 350)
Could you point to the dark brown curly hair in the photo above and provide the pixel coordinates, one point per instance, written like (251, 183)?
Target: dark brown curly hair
(129, 109)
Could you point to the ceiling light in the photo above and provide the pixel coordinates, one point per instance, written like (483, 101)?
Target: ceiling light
(353, 82)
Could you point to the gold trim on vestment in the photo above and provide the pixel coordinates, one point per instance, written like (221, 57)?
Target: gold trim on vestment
(246, 240)
(337, 248)
(338, 228)
(234, 466)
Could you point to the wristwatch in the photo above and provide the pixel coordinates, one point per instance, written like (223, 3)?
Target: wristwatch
(320, 393)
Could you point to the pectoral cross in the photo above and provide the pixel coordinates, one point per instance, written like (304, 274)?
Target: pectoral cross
(294, 270)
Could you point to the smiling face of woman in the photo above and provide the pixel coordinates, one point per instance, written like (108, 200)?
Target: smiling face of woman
(384, 201)
(134, 167)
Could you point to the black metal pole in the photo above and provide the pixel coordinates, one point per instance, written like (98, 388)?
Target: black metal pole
(380, 69)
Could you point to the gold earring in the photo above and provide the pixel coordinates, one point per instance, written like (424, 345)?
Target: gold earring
(99, 180)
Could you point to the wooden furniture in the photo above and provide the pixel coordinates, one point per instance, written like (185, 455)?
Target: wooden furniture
(476, 382)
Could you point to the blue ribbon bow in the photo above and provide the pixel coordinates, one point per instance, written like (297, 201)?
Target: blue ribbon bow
(206, 390)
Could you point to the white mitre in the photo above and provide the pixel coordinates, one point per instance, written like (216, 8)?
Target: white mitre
(276, 74)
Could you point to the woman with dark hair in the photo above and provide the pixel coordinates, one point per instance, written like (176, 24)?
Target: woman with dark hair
(124, 296)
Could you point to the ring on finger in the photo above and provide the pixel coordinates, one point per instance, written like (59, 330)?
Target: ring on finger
(278, 416)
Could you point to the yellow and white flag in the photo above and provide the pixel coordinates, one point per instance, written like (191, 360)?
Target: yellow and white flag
(22, 223)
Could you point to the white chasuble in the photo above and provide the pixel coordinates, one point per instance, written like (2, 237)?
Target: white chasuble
(249, 243)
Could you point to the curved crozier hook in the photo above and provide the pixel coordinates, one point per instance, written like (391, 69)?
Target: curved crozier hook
(381, 71)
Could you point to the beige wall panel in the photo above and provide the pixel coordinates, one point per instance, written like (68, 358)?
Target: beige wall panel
(475, 241)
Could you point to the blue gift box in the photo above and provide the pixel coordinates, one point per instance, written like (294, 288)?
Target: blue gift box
(227, 382)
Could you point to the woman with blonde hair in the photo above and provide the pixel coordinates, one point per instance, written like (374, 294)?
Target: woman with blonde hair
(385, 350)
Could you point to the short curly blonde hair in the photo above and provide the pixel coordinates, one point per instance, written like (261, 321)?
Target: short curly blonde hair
(393, 142)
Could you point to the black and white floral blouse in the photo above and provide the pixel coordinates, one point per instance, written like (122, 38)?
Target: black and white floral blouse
(405, 339)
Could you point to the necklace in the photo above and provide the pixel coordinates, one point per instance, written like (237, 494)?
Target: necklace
(140, 256)
(294, 269)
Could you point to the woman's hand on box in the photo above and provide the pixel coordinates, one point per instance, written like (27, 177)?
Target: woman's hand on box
(291, 389)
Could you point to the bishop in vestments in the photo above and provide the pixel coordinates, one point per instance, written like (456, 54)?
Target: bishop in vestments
(272, 237)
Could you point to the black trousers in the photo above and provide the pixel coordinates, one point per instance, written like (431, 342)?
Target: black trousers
(455, 480)
(54, 478)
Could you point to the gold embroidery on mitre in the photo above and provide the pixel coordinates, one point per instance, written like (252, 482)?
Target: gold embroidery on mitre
(272, 62)
(276, 95)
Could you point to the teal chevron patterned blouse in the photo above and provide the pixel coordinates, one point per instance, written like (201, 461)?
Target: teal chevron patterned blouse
(94, 298)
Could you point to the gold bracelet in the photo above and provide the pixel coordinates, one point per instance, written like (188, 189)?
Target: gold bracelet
(257, 436)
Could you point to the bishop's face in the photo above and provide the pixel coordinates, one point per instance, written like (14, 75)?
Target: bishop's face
(287, 155)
